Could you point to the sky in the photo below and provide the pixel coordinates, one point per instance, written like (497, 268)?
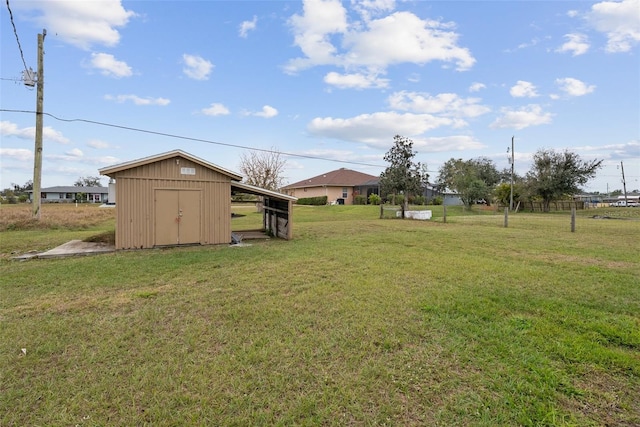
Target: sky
(326, 83)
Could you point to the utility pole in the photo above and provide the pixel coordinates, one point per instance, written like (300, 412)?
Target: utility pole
(624, 185)
(37, 157)
(512, 160)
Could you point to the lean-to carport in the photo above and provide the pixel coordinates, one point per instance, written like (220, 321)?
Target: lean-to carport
(277, 213)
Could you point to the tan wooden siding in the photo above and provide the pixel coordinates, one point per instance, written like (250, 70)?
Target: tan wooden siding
(135, 201)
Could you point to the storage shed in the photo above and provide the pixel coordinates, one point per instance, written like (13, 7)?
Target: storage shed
(175, 198)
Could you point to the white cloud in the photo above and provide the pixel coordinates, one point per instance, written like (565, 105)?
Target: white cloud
(110, 66)
(405, 38)
(48, 133)
(138, 100)
(312, 31)
(523, 89)
(98, 145)
(325, 37)
(196, 67)
(626, 150)
(215, 109)
(476, 87)
(75, 152)
(574, 87)
(81, 23)
(577, 44)
(355, 81)
(377, 129)
(267, 112)
(447, 143)
(369, 8)
(619, 21)
(530, 115)
(247, 26)
(20, 154)
(447, 104)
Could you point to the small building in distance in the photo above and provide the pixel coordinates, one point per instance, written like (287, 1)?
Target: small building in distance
(72, 194)
(175, 198)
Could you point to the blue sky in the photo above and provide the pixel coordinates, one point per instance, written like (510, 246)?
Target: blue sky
(326, 79)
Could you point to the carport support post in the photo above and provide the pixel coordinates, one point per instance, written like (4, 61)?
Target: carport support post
(573, 219)
(506, 217)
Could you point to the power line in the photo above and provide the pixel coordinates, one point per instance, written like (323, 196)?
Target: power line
(15, 31)
(187, 138)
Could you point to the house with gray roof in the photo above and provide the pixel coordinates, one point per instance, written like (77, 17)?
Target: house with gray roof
(71, 194)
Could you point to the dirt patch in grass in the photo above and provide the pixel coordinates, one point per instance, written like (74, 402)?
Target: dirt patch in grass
(587, 262)
(605, 400)
(108, 237)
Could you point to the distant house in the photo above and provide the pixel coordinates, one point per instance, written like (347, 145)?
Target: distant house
(340, 186)
(71, 194)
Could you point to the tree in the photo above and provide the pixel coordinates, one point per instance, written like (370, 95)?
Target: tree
(263, 169)
(472, 179)
(403, 175)
(557, 174)
(88, 181)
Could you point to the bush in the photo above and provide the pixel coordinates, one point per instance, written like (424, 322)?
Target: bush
(313, 201)
(374, 199)
(437, 201)
(399, 199)
(419, 200)
(360, 200)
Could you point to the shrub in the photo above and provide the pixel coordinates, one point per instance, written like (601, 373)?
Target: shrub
(419, 200)
(313, 201)
(374, 199)
(399, 199)
(360, 200)
(437, 201)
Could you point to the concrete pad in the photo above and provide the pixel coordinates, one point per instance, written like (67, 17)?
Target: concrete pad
(72, 248)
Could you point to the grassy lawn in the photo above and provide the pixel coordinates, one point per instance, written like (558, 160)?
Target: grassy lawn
(357, 321)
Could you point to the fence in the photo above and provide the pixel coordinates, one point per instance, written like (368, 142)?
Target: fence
(561, 205)
(605, 221)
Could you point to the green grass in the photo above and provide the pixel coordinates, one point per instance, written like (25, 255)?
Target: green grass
(357, 321)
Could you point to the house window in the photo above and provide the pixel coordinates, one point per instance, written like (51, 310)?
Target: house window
(43, 195)
(69, 196)
(344, 192)
(61, 196)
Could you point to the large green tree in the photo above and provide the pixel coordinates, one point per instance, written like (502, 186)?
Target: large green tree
(472, 179)
(554, 174)
(403, 175)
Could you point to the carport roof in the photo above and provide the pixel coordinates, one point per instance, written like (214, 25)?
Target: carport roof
(251, 189)
(168, 155)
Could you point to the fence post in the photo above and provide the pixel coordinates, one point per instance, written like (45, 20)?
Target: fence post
(506, 217)
(573, 220)
(444, 212)
(381, 209)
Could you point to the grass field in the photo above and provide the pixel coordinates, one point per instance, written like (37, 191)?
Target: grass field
(357, 321)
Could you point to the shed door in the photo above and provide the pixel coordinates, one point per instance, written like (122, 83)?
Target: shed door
(177, 217)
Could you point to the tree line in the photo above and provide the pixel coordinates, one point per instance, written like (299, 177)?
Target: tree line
(553, 175)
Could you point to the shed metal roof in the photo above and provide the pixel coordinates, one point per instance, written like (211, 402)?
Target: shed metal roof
(108, 171)
(251, 189)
